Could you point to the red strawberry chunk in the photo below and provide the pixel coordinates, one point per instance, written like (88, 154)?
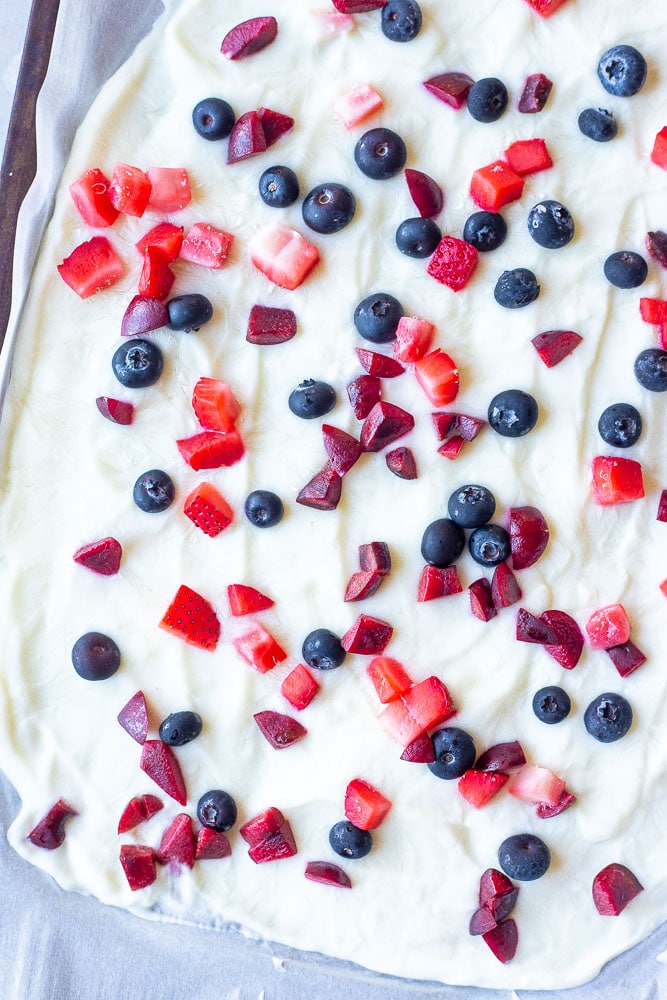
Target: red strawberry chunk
(133, 717)
(659, 151)
(211, 845)
(207, 246)
(327, 873)
(413, 338)
(436, 582)
(385, 424)
(90, 194)
(481, 600)
(159, 762)
(268, 325)
(609, 626)
(536, 784)
(177, 845)
(342, 448)
(299, 687)
(364, 392)
(283, 255)
(49, 832)
(379, 364)
(274, 124)
(375, 556)
(505, 589)
(528, 156)
(554, 345)
(211, 449)
(115, 410)
(653, 310)
(451, 449)
(129, 190)
(535, 94)
(247, 138)
(258, 648)
(249, 37)
(91, 267)
(102, 557)
(570, 641)
(367, 636)
(438, 375)
(425, 192)
(156, 276)
(503, 940)
(451, 88)
(545, 8)
(613, 888)
(279, 730)
(626, 657)
(208, 510)
(264, 825)
(170, 189)
(401, 461)
(165, 236)
(453, 263)
(215, 405)
(138, 862)
(362, 585)
(365, 806)
(192, 618)
(479, 787)
(424, 706)
(357, 105)
(495, 185)
(245, 600)
(389, 678)
(323, 491)
(616, 480)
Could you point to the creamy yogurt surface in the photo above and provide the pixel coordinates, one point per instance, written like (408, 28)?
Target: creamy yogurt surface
(69, 476)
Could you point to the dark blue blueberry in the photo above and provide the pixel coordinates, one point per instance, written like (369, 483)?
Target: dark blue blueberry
(154, 491)
(487, 99)
(598, 124)
(550, 224)
(551, 704)
(380, 154)
(217, 810)
(622, 71)
(625, 269)
(376, 317)
(651, 369)
(489, 545)
(620, 425)
(516, 288)
(513, 413)
(213, 118)
(95, 656)
(311, 399)
(443, 542)
(263, 508)
(401, 20)
(455, 752)
(524, 857)
(485, 231)
(608, 717)
(418, 237)
(471, 506)
(137, 364)
(180, 728)
(322, 649)
(188, 312)
(278, 187)
(349, 841)
(328, 208)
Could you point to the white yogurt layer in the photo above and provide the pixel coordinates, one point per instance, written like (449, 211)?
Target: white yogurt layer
(69, 475)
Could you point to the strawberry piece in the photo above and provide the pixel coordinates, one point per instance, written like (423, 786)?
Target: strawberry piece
(159, 762)
(449, 425)
(90, 194)
(170, 189)
(133, 814)
(505, 589)
(211, 449)
(385, 424)
(258, 648)
(274, 124)
(495, 185)
(357, 105)
(479, 787)
(613, 888)
(420, 751)
(327, 873)
(129, 190)
(138, 864)
(133, 717)
(481, 922)
(453, 263)
(364, 392)
(503, 940)
(342, 448)
(264, 825)
(554, 345)
(501, 757)
(208, 509)
(424, 706)
(616, 480)
(379, 364)
(425, 192)
(115, 410)
(570, 640)
(268, 325)
(211, 845)
(653, 310)
(358, 6)
(249, 37)
(362, 585)
(401, 461)
(177, 845)
(367, 636)
(156, 276)
(450, 88)
(245, 600)
(151, 805)
(532, 629)
(436, 582)
(389, 678)
(536, 784)
(299, 687)
(609, 626)
(165, 236)
(451, 449)
(215, 405)
(270, 836)
(481, 600)
(545, 8)
(91, 267)
(142, 315)
(279, 730)
(656, 245)
(365, 806)
(413, 338)
(546, 811)
(528, 156)
(247, 138)
(529, 535)
(283, 255)
(323, 491)
(49, 832)
(207, 246)
(438, 376)
(626, 657)
(535, 94)
(659, 151)
(375, 556)
(102, 557)
(192, 618)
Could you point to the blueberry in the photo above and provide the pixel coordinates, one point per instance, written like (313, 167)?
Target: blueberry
(622, 71)
(489, 545)
(401, 20)
(487, 99)
(217, 810)
(263, 508)
(455, 752)
(95, 656)
(311, 399)
(322, 649)
(524, 857)
(154, 491)
(349, 841)
(418, 237)
(380, 154)
(188, 312)
(328, 208)
(620, 425)
(485, 231)
(278, 187)
(598, 124)
(471, 506)
(625, 269)
(608, 717)
(551, 704)
(137, 364)
(513, 413)
(180, 728)
(550, 224)
(651, 369)
(213, 118)
(516, 288)
(376, 317)
(442, 542)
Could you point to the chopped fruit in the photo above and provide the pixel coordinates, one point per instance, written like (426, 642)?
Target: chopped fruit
(495, 885)
(269, 836)
(129, 190)
(535, 94)
(245, 600)
(133, 717)
(424, 706)
(436, 582)
(159, 762)
(208, 509)
(413, 338)
(102, 557)
(479, 787)
(545, 8)
(501, 757)
(177, 845)
(327, 873)
(536, 784)
(438, 376)
(247, 138)
(385, 424)
(528, 156)
(450, 425)
(545, 811)
(453, 263)
(495, 185)
(389, 678)
(451, 449)
(215, 405)
(275, 124)
(365, 806)
(659, 151)
(367, 636)
(505, 590)
(529, 535)
(207, 246)
(663, 587)
(49, 833)
(626, 657)
(137, 811)
(401, 461)
(503, 939)
(165, 237)
(375, 556)
(268, 325)
(299, 687)
(115, 410)
(279, 730)
(364, 392)
(170, 189)
(450, 88)
(259, 648)
(653, 310)
(607, 627)
(156, 276)
(357, 105)
(425, 193)
(481, 600)
(342, 448)
(250, 36)
(362, 585)
(91, 267)
(532, 629)
(420, 751)
(482, 920)
(554, 345)
(379, 364)
(613, 888)
(323, 491)
(143, 314)
(211, 845)
(192, 618)
(211, 449)
(327, 23)
(358, 6)
(283, 255)
(138, 864)
(570, 641)
(656, 244)
(90, 194)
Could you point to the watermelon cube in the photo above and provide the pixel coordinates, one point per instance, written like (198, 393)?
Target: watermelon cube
(495, 185)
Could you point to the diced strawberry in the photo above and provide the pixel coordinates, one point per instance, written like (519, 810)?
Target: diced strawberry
(653, 310)
(616, 480)
(453, 263)
(424, 706)
(207, 246)
(165, 236)
(343, 449)
(208, 509)
(436, 582)
(626, 657)
(274, 125)
(215, 405)
(281, 731)
(570, 641)
(358, 6)
(438, 375)
(129, 190)
(375, 556)
(662, 336)
(91, 267)
(481, 600)
(192, 618)
(425, 192)
(385, 424)
(609, 626)
(211, 449)
(362, 585)
(505, 590)
(364, 392)
(264, 825)
(479, 787)
(249, 37)
(401, 461)
(269, 325)
(495, 185)
(115, 410)
(420, 751)
(170, 189)
(90, 194)
(283, 255)
(138, 862)
(327, 873)
(379, 364)
(156, 276)
(367, 636)
(133, 717)
(545, 8)
(613, 888)
(245, 600)
(389, 678)
(535, 94)
(258, 648)
(49, 832)
(247, 138)
(546, 811)
(211, 845)
(451, 449)
(554, 345)
(451, 88)
(102, 557)
(365, 806)
(177, 845)
(503, 940)
(528, 156)
(299, 687)
(536, 784)
(159, 762)
(659, 151)
(413, 338)
(357, 105)
(323, 491)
